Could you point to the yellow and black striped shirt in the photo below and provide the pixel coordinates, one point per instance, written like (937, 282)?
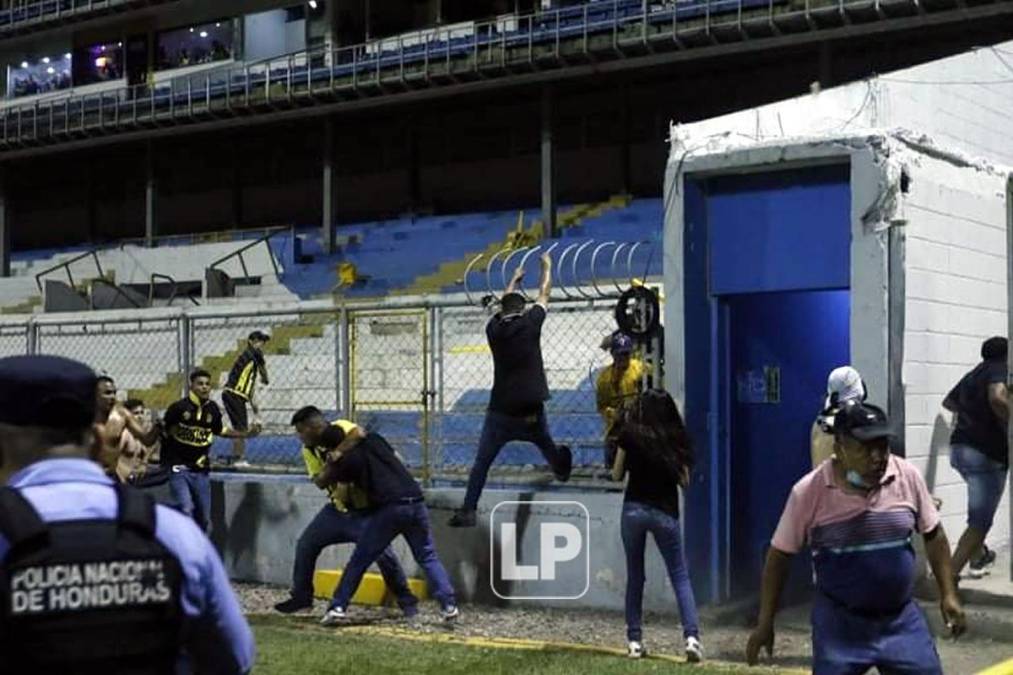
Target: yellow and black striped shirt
(191, 427)
(243, 376)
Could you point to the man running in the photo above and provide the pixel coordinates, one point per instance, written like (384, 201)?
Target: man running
(112, 418)
(239, 390)
(341, 521)
(519, 391)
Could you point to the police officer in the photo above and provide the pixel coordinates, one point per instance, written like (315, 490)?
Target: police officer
(191, 425)
(94, 577)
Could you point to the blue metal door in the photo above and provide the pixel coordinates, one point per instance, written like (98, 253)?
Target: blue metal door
(767, 268)
(781, 347)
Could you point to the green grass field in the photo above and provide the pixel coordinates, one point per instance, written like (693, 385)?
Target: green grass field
(289, 646)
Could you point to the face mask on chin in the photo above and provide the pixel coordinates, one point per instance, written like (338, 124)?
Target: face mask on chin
(855, 480)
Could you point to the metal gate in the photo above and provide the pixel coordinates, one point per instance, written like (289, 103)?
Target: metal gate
(390, 386)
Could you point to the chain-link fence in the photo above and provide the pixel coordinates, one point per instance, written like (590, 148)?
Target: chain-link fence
(303, 368)
(421, 376)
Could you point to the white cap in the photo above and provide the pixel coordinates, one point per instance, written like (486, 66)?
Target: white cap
(847, 384)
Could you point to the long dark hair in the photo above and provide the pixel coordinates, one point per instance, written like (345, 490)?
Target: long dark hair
(656, 424)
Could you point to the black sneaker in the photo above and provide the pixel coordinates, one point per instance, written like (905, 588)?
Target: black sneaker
(979, 567)
(563, 475)
(462, 518)
(293, 605)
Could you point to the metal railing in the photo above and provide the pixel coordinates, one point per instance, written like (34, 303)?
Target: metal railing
(239, 253)
(66, 265)
(603, 30)
(155, 276)
(119, 292)
(30, 13)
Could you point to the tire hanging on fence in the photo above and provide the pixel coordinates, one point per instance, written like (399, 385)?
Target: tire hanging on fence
(638, 313)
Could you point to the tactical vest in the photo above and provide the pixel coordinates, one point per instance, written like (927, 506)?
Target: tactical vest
(88, 596)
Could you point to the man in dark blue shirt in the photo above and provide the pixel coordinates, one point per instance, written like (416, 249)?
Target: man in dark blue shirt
(176, 598)
(399, 509)
(519, 391)
(979, 449)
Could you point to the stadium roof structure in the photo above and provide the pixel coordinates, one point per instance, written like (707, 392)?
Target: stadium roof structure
(542, 47)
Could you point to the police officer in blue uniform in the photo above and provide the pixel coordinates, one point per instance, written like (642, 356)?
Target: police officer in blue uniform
(95, 577)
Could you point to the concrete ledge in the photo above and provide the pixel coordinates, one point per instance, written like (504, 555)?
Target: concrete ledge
(372, 591)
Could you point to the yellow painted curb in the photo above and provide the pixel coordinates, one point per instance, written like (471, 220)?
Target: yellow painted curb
(1004, 668)
(542, 645)
(372, 591)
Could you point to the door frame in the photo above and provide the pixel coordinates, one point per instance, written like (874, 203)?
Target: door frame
(689, 307)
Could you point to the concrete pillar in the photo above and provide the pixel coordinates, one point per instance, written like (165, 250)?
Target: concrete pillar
(548, 165)
(150, 199)
(327, 226)
(237, 190)
(5, 228)
(826, 65)
(626, 158)
(414, 168)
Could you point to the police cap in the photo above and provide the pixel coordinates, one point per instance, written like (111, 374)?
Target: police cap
(46, 391)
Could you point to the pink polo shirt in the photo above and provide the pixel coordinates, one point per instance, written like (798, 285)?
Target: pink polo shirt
(816, 502)
(863, 557)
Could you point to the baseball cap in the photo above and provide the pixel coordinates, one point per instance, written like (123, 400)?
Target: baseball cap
(621, 344)
(259, 335)
(46, 391)
(863, 422)
(844, 384)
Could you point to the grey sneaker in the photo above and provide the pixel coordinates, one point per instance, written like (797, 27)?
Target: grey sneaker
(450, 613)
(635, 650)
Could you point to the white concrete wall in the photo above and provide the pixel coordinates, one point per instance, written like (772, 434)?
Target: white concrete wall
(956, 298)
(963, 103)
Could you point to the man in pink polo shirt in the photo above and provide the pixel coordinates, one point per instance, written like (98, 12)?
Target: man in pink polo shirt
(858, 512)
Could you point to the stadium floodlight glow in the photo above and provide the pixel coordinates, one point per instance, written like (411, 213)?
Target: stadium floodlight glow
(218, 25)
(67, 56)
(45, 59)
(50, 70)
(24, 64)
(203, 33)
(313, 4)
(191, 29)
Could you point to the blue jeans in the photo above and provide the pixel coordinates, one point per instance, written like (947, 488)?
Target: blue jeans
(497, 431)
(638, 520)
(845, 643)
(191, 490)
(331, 526)
(986, 480)
(384, 525)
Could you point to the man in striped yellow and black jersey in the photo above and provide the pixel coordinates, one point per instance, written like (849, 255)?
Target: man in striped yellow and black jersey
(239, 390)
(191, 425)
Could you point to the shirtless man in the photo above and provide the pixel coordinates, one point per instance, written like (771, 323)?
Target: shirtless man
(111, 420)
(134, 456)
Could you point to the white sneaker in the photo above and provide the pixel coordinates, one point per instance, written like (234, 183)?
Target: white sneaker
(241, 464)
(694, 650)
(450, 614)
(334, 616)
(635, 650)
